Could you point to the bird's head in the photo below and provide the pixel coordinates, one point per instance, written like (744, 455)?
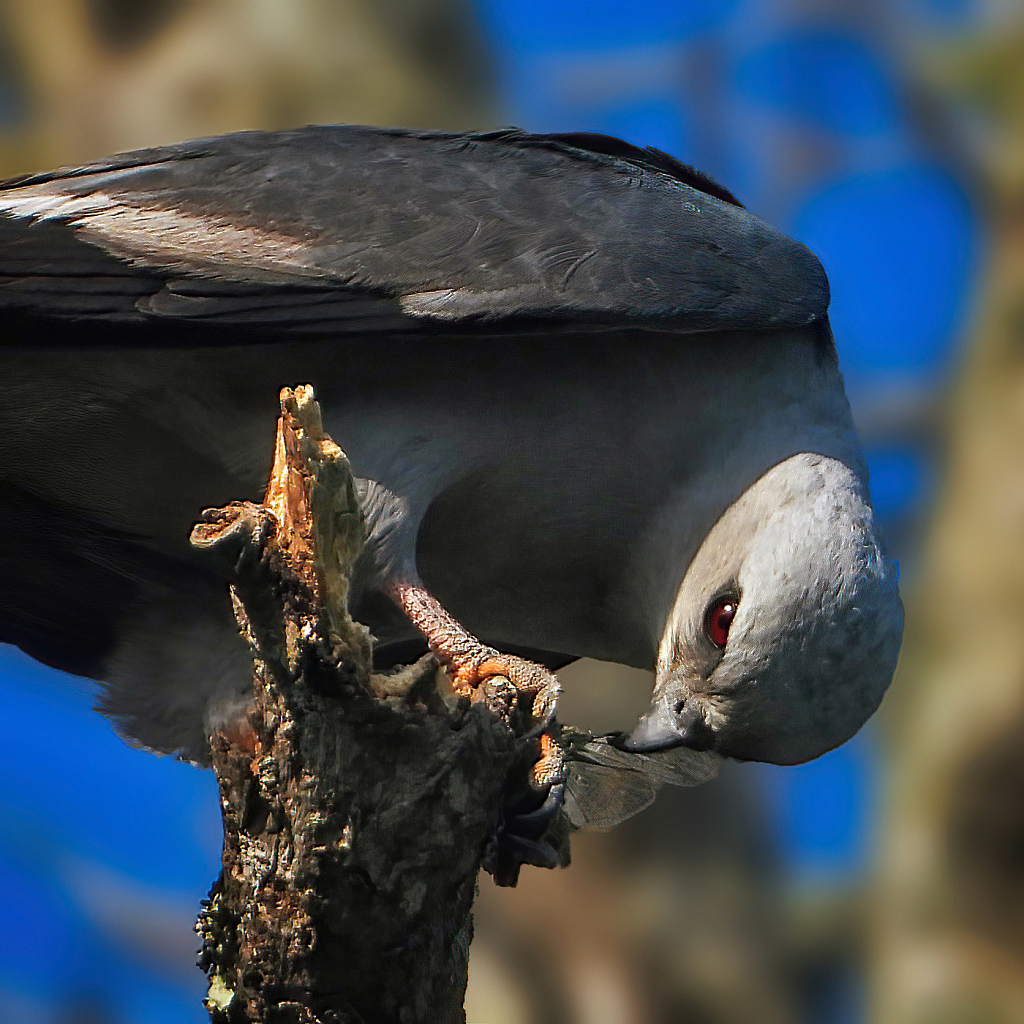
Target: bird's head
(786, 628)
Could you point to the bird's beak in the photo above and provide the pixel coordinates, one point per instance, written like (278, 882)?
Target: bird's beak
(655, 731)
(663, 727)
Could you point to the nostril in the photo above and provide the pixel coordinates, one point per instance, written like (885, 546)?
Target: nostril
(694, 730)
(679, 705)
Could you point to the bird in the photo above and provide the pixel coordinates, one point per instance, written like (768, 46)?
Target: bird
(593, 405)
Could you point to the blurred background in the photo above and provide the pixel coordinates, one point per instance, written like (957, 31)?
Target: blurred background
(882, 883)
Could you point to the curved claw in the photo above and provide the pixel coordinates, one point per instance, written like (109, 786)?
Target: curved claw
(545, 705)
(540, 817)
(537, 853)
(531, 837)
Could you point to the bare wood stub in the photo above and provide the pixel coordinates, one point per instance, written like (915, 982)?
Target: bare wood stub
(357, 809)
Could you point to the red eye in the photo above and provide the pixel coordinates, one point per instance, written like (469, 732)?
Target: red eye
(719, 619)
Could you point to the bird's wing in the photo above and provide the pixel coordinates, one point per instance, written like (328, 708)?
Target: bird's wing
(349, 229)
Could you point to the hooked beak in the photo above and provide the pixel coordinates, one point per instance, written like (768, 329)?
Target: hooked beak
(663, 727)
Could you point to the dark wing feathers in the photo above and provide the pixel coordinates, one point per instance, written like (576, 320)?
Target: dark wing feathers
(347, 228)
(587, 144)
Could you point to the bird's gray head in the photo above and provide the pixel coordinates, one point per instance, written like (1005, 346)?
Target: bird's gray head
(786, 628)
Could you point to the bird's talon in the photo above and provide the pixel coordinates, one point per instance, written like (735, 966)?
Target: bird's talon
(536, 836)
(547, 810)
(535, 852)
(529, 680)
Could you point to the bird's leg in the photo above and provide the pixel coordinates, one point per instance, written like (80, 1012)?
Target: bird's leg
(530, 831)
(473, 663)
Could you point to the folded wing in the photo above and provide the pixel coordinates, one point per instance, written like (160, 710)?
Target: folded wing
(349, 229)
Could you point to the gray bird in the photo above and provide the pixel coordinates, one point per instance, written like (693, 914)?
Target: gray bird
(593, 403)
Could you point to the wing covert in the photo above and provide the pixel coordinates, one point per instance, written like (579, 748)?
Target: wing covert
(358, 229)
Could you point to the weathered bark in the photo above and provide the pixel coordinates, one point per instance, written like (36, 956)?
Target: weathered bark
(357, 808)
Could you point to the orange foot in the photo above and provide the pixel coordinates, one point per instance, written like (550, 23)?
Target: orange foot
(486, 672)
(530, 831)
(477, 669)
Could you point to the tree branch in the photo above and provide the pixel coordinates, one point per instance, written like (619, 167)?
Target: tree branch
(357, 808)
